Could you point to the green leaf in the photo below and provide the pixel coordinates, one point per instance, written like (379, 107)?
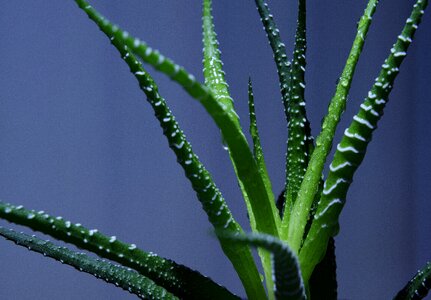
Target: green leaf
(258, 155)
(213, 71)
(227, 120)
(176, 278)
(351, 150)
(279, 51)
(292, 86)
(323, 281)
(122, 277)
(288, 280)
(215, 80)
(208, 194)
(298, 126)
(418, 287)
(254, 132)
(310, 184)
(260, 197)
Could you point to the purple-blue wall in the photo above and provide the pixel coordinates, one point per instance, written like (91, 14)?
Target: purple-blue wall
(77, 138)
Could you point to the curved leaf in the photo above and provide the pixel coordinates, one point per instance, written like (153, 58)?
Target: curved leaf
(351, 150)
(215, 80)
(310, 184)
(245, 165)
(213, 71)
(178, 279)
(122, 277)
(288, 280)
(207, 192)
(255, 190)
(279, 51)
(418, 287)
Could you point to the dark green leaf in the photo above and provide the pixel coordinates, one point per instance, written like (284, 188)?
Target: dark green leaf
(208, 194)
(122, 277)
(299, 131)
(323, 281)
(292, 91)
(226, 119)
(176, 278)
(418, 287)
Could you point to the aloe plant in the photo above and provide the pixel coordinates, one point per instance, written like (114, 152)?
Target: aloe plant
(295, 234)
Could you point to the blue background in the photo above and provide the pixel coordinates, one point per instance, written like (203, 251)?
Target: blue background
(78, 139)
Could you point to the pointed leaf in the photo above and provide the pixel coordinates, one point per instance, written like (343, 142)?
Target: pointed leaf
(351, 150)
(122, 277)
(299, 139)
(258, 155)
(178, 279)
(288, 280)
(292, 85)
(279, 51)
(262, 207)
(213, 71)
(208, 194)
(254, 132)
(309, 186)
(226, 120)
(215, 80)
(418, 287)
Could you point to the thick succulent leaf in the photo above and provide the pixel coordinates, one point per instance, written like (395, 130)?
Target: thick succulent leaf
(125, 278)
(215, 80)
(323, 281)
(178, 279)
(292, 86)
(351, 150)
(246, 168)
(299, 138)
(418, 287)
(279, 50)
(267, 222)
(288, 280)
(213, 70)
(149, 55)
(208, 194)
(310, 184)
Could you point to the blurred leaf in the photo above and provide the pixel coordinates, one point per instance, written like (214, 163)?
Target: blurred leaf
(418, 287)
